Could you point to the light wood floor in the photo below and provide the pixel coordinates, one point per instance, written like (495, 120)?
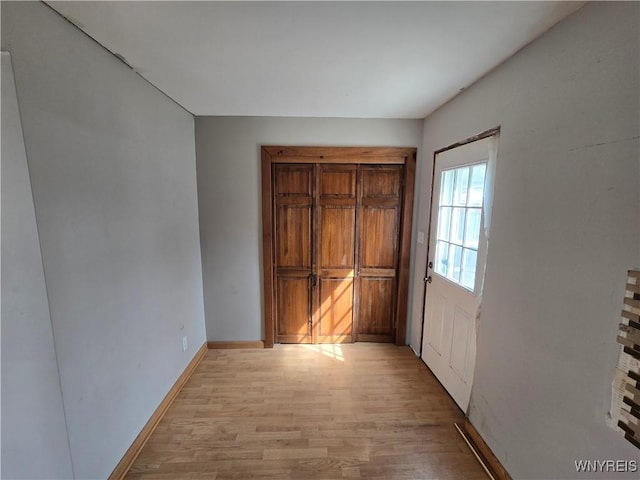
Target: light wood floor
(310, 412)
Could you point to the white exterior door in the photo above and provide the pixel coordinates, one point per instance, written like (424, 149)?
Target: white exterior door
(457, 257)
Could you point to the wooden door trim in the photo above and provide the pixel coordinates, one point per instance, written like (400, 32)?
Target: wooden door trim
(267, 249)
(356, 155)
(487, 133)
(325, 155)
(404, 255)
(315, 220)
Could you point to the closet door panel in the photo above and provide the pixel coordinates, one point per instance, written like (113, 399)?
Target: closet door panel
(379, 240)
(379, 210)
(338, 181)
(293, 247)
(294, 191)
(376, 309)
(335, 324)
(380, 182)
(293, 310)
(337, 242)
(293, 180)
(336, 253)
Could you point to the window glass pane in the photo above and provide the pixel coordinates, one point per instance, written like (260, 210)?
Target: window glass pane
(459, 222)
(442, 258)
(472, 230)
(455, 262)
(476, 189)
(457, 225)
(444, 223)
(468, 278)
(461, 186)
(446, 187)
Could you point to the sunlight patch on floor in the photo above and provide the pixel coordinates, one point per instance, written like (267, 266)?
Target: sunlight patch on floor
(330, 350)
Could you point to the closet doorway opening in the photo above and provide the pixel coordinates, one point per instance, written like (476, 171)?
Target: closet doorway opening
(336, 243)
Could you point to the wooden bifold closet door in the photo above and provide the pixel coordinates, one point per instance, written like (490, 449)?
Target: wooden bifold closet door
(336, 227)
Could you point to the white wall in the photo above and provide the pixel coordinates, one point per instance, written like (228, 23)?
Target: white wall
(34, 432)
(112, 165)
(228, 165)
(565, 230)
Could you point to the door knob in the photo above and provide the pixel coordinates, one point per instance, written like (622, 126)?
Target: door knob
(428, 279)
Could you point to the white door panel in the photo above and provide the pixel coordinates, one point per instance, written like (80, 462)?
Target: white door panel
(457, 256)
(459, 359)
(436, 322)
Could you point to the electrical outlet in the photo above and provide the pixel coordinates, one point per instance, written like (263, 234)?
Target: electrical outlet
(185, 345)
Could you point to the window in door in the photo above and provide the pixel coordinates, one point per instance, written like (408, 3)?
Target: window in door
(459, 223)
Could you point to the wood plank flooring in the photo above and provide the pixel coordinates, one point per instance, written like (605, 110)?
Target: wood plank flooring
(309, 412)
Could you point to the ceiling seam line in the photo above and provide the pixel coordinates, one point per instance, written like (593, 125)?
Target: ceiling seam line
(119, 57)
